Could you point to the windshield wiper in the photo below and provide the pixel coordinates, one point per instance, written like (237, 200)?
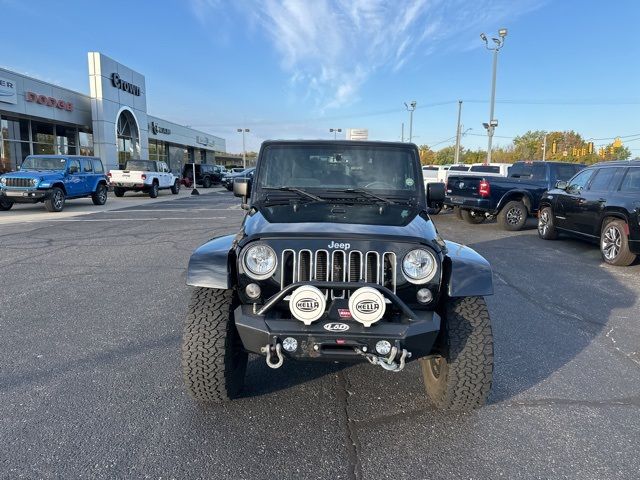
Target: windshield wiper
(299, 191)
(364, 193)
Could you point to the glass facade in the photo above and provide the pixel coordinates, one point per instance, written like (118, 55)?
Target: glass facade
(158, 150)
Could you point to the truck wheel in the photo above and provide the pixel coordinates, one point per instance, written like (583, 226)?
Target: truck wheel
(55, 201)
(472, 216)
(153, 191)
(513, 216)
(206, 182)
(546, 227)
(5, 204)
(460, 377)
(118, 191)
(213, 360)
(175, 188)
(99, 197)
(614, 243)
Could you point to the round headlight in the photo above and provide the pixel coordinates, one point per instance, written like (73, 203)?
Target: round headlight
(419, 266)
(260, 261)
(3, 181)
(34, 181)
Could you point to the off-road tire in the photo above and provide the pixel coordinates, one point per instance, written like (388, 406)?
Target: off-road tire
(206, 182)
(614, 234)
(175, 188)
(118, 191)
(5, 204)
(462, 379)
(99, 197)
(213, 360)
(55, 200)
(513, 216)
(153, 190)
(472, 216)
(546, 224)
(434, 210)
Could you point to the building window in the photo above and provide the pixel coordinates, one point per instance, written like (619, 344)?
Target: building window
(14, 143)
(66, 140)
(43, 138)
(128, 142)
(86, 143)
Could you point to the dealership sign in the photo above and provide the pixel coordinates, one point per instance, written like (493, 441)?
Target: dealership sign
(120, 84)
(8, 92)
(48, 101)
(156, 129)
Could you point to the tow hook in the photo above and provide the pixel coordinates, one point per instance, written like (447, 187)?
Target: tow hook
(278, 352)
(388, 362)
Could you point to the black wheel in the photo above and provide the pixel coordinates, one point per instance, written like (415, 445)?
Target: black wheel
(153, 191)
(457, 211)
(614, 243)
(175, 188)
(229, 186)
(213, 360)
(99, 197)
(472, 216)
(434, 211)
(118, 191)
(5, 204)
(206, 182)
(55, 201)
(513, 216)
(546, 226)
(460, 377)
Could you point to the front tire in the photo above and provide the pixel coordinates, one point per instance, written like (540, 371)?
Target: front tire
(460, 377)
(55, 201)
(614, 243)
(153, 191)
(175, 188)
(99, 197)
(206, 182)
(513, 216)
(546, 226)
(472, 216)
(213, 360)
(118, 191)
(5, 204)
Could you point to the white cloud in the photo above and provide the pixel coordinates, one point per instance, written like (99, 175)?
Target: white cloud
(330, 48)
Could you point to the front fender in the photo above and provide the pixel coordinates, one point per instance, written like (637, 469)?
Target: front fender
(467, 274)
(209, 265)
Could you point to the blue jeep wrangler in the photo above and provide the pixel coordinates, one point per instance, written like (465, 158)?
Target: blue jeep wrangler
(52, 179)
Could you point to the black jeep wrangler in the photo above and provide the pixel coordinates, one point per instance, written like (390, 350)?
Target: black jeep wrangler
(338, 260)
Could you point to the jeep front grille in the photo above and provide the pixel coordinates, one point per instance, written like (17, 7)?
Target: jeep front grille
(338, 266)
(19, 182)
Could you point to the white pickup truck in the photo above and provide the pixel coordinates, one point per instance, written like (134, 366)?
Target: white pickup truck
(147, 176)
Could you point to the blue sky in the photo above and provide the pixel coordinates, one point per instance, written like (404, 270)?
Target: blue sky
(294, 69)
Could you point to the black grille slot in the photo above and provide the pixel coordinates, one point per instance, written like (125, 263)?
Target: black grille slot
(304, 266)
(19, 182)
(338, 271)
(372, 267)
(288, 267)
(389, 271)
(322, 262)
(355, 266)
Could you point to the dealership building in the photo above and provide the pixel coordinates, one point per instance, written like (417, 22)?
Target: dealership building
(111, 122)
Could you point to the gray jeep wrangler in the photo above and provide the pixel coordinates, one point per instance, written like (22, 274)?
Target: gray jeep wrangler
(338, 260)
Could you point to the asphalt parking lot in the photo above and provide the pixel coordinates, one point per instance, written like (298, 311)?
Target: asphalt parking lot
(90, 383)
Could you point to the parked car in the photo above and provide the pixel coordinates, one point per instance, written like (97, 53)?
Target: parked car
(227, 180)
(512, 199)
(54, 179)
(149, 176)
(338, 261)
(207, 175)
(600, 204)
(490, 169)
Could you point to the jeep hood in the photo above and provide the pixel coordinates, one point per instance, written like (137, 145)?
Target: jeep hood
(44, 174)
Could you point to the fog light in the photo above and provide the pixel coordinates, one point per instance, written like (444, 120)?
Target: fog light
(253, 290)
(424, 295)
(290, 344)
(383, 347)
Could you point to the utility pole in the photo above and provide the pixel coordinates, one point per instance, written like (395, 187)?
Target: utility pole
(402, 134)
(544, 148)
(244, 148)
(493, 123)
(410, 108)
(457, 158)
(335, 132)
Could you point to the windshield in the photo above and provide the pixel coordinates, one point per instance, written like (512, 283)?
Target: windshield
(141, 165)
(43, 163)
(385, 170)
(485, 169)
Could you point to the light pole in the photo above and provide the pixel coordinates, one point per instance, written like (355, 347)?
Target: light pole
(335, 132)
(410, 108)
(244, 150)
(493, 123)
(457, 157)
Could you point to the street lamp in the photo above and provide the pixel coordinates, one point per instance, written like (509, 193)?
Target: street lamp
(335, 132)
(497, 45)
(244, 150)
(410, 108)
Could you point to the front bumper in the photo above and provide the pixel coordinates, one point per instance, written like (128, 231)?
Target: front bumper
(24, 196)
(260, 326)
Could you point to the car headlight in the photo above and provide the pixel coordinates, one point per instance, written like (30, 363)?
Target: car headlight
(3, 181)
(419, 266)
(34, 181)
(260, 261)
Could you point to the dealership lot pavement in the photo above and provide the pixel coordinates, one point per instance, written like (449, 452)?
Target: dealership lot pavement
(90, 386)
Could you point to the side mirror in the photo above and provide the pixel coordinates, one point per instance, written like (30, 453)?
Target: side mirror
(435, 194)
(241, 188)
(561, 185)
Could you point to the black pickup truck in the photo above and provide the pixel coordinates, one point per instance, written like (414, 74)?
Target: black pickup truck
(512, 199)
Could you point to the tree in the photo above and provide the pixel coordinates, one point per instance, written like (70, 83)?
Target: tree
(528, 146)
(427, 156)
(446, 155)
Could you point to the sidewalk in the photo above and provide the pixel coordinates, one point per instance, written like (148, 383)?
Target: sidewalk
(29, 213)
